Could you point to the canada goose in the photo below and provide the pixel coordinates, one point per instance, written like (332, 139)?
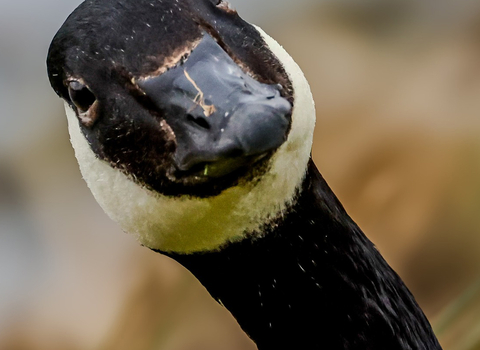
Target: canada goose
(193, 130)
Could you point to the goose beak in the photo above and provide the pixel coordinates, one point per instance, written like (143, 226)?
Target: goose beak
(222, 118)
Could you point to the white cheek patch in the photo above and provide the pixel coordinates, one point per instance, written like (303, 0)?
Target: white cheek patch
(187, 224)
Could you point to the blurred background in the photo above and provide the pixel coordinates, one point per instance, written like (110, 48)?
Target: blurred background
(397, 88)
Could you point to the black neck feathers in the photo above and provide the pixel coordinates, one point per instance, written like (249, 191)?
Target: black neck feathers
(314, 282)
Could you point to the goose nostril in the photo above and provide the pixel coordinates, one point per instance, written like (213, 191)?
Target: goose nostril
(199, 121)
(277, 88)
(273, 95)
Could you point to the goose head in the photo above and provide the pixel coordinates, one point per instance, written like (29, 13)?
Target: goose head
(192, 128)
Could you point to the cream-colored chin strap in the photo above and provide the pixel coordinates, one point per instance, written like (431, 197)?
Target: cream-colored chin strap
(185, 224)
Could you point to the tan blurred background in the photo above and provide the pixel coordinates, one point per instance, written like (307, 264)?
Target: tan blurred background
(397, 88)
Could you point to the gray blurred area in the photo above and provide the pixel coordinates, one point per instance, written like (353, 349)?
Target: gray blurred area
(397, 89)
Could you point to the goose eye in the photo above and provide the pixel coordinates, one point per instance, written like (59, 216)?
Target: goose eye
(83, 99)
(80, 95)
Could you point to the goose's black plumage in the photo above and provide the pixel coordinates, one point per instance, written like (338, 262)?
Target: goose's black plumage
(148, 122)
(314, 282)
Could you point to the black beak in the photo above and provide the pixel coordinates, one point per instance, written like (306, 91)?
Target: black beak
(222, 118)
